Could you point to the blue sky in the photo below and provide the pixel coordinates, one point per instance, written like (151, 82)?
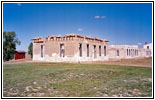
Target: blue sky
(120, 23)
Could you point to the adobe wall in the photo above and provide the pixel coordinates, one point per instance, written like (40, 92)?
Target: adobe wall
(91, 43)
(71, 42)
(71, 46)
(37, 51)
(127, 52)
(52, 49)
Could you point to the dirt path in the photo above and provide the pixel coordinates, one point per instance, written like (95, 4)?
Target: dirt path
(143, 62)
(18, 61)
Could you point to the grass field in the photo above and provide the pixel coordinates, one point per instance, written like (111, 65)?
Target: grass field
(75, 80)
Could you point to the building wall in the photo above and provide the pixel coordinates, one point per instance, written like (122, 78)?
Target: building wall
(37, 51)
(148, 48)
(27, 56)
(19, 55)
(127, 52)
(51, 49)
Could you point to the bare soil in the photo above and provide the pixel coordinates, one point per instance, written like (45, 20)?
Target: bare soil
(140, 62)
(18, 61)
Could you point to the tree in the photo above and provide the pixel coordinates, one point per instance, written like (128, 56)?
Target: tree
(9, 45)
(30, 49)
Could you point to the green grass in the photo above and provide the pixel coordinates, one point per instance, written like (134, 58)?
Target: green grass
(76, 80)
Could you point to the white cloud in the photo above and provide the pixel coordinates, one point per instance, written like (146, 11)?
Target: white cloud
(103, 17)
(96, 17)
(80, 29)
(19, 4)
(139, 43)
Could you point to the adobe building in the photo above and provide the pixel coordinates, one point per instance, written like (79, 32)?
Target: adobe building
(70, 48)
(77, 48)
(128, 52)
(148, 47)
(123, 51)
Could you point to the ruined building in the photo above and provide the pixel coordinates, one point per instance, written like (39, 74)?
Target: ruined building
(127, 52)
(76, 48)
(71, 48)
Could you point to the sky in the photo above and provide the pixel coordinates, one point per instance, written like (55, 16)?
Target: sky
(120, 23)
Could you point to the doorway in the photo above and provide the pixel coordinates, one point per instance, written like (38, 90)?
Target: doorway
(95, 51)
(62, 50)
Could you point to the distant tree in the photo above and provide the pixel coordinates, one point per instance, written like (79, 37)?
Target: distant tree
(30, 49)
(9, 45)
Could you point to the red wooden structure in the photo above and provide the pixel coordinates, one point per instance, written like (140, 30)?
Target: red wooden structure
(19, 55)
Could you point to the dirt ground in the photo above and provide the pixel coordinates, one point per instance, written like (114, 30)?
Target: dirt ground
(18, 61)
(141, 62)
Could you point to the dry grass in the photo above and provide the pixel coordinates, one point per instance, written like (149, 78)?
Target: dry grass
(141, 62)
(75, 80)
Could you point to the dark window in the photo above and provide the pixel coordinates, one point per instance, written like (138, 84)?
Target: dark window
(41, 50)
(147, 47)
(80, 49)
(117, 52)
(100, 51)
(62, 50)
(87, 50)
(104, 50)
(127, 52)
(94, 51)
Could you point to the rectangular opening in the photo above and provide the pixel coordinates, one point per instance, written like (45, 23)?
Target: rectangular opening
(127, 52)
(104, 50)
(100, 54)
(80, 49)
(41, 50)
(147, 47)
(62, 51)
(117, 52)
(94, 51)
(87, 50)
